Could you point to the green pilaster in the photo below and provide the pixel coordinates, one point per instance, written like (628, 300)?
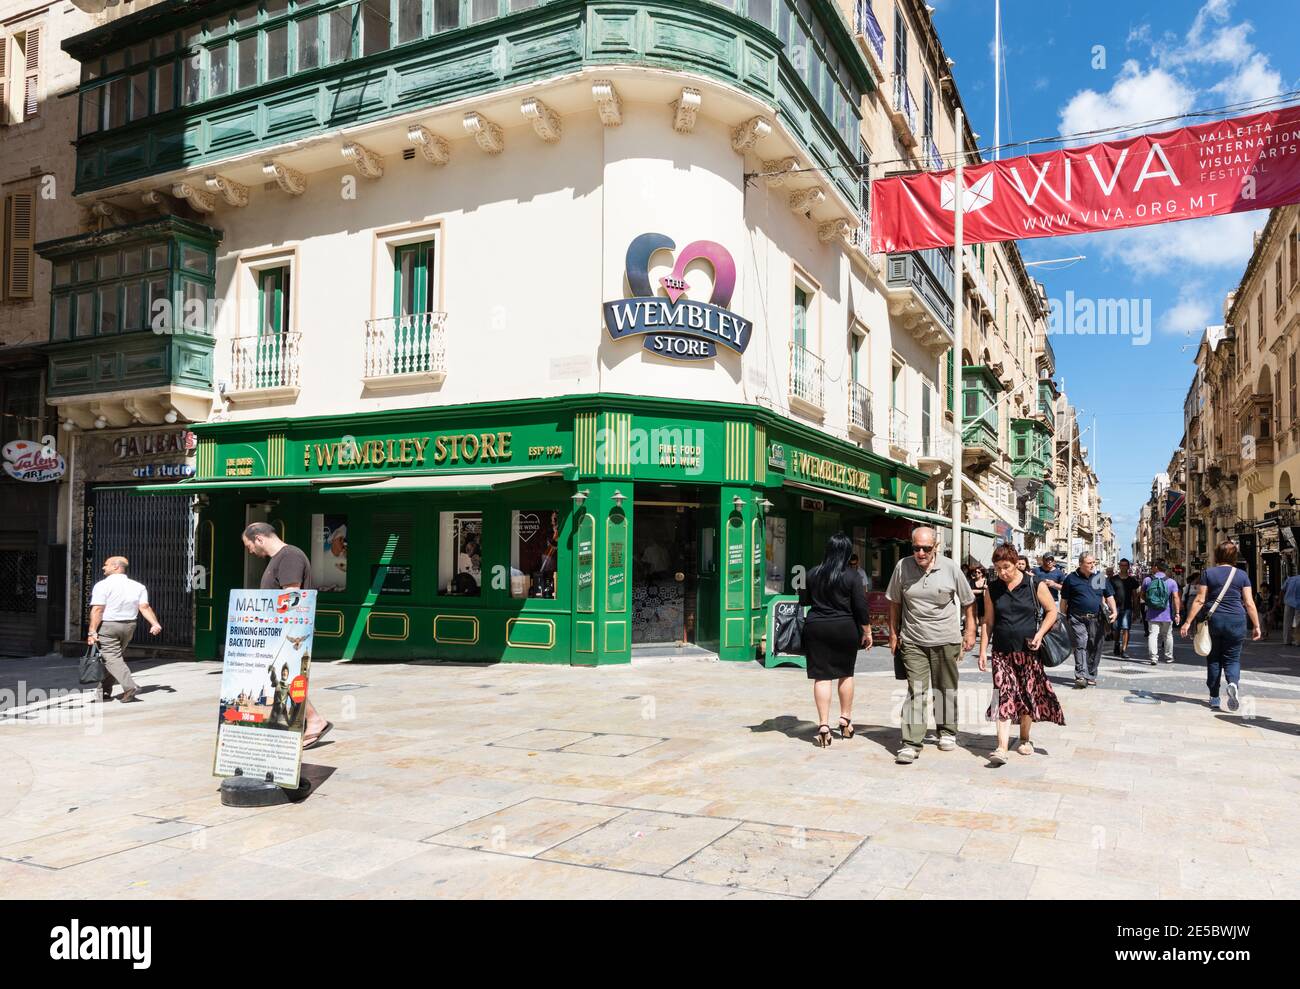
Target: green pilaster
(602, 577)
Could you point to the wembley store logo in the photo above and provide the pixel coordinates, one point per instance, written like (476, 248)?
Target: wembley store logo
(75, 943)
(676, 327)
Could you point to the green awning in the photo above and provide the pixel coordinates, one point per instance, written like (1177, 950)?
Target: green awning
(469, 481)
(901, 511)
(235, 484)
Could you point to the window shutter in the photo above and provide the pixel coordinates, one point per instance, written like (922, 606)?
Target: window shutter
(32, 47)
(4, 80)
(20, 229)
(952, 394)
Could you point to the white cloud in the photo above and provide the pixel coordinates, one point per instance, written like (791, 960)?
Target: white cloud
(1191, 314)
(1136, 95)
(1253, 81)
(1207, 243)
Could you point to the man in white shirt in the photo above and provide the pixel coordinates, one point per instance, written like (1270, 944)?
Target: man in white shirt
(115, 604)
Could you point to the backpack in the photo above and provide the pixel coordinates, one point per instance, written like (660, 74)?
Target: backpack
(1157, 594)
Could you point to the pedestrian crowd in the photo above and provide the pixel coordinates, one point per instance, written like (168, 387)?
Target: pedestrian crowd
(938, 609)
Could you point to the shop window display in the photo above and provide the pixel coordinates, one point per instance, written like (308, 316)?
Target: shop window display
(534, 554)
(460, 565)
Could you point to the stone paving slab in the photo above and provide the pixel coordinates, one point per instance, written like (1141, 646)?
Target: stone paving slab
(668, 779)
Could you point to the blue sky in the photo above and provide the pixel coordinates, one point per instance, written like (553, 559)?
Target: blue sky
(1155, 60)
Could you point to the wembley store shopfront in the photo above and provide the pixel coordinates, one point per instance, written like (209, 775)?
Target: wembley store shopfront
(567, 530)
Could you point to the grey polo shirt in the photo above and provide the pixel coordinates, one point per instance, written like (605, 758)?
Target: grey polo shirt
(932, 601)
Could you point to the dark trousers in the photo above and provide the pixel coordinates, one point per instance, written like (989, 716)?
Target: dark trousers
(1087, 633)
(1227, 633)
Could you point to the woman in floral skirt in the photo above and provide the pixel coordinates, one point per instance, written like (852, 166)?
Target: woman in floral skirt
(1021, 689)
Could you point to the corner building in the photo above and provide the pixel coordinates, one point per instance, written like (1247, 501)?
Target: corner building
(388, 238)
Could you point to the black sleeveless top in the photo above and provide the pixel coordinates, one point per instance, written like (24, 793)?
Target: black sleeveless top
(1015, 615)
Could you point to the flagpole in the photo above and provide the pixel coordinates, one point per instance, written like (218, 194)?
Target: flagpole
(997, 79)
(958, 306)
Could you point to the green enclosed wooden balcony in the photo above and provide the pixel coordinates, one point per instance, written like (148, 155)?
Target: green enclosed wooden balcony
(180, 87)
(980, 424)
(131, 319)
(1031, 448)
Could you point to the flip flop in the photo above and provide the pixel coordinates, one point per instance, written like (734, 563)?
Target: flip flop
(316, 741)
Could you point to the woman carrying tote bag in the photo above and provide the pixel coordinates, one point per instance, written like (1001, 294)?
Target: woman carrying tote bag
(1022, 691)
(1225, 624)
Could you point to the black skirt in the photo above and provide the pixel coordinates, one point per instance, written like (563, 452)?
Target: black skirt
(831, 647)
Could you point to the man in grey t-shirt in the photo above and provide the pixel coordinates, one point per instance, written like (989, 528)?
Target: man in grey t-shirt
(927, 595)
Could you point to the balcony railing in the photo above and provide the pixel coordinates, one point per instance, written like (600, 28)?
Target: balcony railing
(865, 24)
(807, 376)
(905, 108)
(981, 434)
(932, 156)
(264, 362)
(1263, 454)
(898, 429)
(937, 446)
(860, 416)
(972, 269)
(927, 275)
(402, 348)
(860, 235)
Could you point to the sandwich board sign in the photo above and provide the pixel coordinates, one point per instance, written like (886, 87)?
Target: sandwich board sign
(263, 710)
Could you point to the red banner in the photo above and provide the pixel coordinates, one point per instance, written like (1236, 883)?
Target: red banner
(1231, 166)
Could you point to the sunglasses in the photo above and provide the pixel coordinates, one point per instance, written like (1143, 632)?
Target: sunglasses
(922, 549)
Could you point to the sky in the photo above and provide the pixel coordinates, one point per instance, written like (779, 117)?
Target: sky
(1073, 66)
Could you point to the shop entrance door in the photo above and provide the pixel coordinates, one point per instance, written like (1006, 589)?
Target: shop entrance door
(665, 572)
(17, 593)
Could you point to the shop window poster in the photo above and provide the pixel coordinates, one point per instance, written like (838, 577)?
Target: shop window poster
(329, 552)
(534, 554)
(463, 537)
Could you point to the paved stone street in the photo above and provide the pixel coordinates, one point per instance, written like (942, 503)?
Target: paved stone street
(669, 778)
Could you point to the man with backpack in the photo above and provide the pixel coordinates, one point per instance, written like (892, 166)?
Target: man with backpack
(1163, 610)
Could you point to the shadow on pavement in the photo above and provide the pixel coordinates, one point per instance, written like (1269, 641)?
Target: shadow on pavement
(805, 731)
(310, 779)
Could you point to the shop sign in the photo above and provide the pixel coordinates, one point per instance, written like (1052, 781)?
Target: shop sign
(176, 442)
(263, 711)
(397, 578)
(28, 460)
(42, 587)
(676, 327)
(163, 470)
(833, 473)
(415, 451)
(812, 505)
(1269, 539)
(776, 456)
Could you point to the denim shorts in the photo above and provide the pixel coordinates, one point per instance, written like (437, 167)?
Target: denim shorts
(1125, 617)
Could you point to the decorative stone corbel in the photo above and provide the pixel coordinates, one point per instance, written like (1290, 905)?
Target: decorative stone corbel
(487, 134)
(105, 210)
(753, 130)
(368, 163)
(546, 122)
(157, 200)
(776, 171)
(836, 229)
(198, 199)
(232, 192)
(289, 179)
(435, 149)
(608, 103)
(685, 107)
(805, 200)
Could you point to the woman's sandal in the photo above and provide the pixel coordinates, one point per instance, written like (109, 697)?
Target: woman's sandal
(846, 727)
(1026, 744)
(824, 736)
(998, 757)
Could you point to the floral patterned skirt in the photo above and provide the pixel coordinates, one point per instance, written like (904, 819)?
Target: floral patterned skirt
(1021, 687)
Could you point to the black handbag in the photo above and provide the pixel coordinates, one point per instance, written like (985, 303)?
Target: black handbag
(1057, 645)
(92, 665)
(900, 670)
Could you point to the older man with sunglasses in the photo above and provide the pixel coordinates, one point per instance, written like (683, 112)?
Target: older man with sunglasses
(927, 596)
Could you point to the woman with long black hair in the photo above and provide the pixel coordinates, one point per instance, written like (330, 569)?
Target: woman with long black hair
(836, 626)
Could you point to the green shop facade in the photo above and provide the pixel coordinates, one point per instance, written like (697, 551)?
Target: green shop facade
(561, 530)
